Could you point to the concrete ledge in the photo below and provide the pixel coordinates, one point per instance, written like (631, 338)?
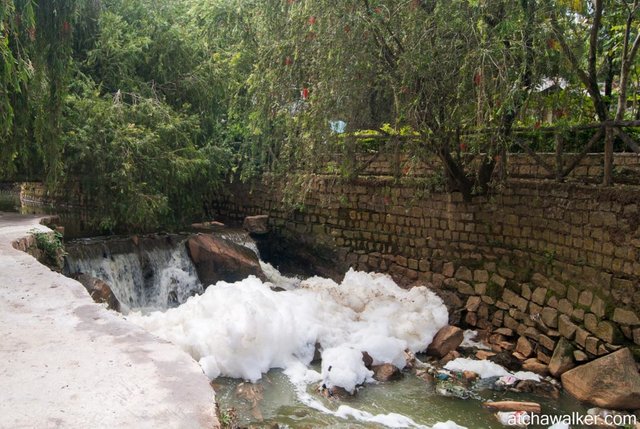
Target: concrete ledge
(67, 362)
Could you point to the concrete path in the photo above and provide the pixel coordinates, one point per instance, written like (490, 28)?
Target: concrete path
(69, 363)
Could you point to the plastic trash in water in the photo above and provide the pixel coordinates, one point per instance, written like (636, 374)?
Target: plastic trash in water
(507, 380)
(443, 375)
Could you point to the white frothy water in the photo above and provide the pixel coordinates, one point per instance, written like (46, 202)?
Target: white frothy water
(242, 330)
(170, 277)
(486, 369)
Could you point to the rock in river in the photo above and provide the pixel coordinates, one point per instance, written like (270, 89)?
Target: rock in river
(611, 381)
(218, 259)
(446, 340)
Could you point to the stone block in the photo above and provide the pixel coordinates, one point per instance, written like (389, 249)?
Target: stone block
(598, 307)
(480, 288)
(549, 317)
(465, 288)
(514, 300)
(539, 295)
(534, 308)
(481, 276)
(625, 317)
(609, 332)
(524, 347)
(591, 322)
(591, 345)
(577, 314)
(448, 269)
(464, 273)
(572, 294)
(581, 337)
(547, 342)
(500, 281)
(473, 303)
(566, 327)
(565, 306)
(585, 298)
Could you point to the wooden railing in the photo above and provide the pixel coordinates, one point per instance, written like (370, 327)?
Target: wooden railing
(519, 140)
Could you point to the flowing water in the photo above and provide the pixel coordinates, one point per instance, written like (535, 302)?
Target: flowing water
(247, 330)
(411, 397)
(155, 274)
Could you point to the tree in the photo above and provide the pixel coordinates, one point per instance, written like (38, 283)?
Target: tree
(442, 68)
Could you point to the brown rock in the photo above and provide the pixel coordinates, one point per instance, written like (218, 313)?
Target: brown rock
(609, 382)
(484, 354)
(473, 303)
(524, 347)
(580, 356)
(218, 259)
(448, 269)
(100, 291)
(386, 372)
(469, 375)
(534, 365)
(452, 355)
(562, 359)
(367, 360)
(464, 273)
(446, 340)
(256, 224)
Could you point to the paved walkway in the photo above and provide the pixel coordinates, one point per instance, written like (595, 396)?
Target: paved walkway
(67, 362)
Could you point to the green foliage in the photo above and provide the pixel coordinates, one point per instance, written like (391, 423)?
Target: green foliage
(150, 105)
(142, 164)
(52, 247)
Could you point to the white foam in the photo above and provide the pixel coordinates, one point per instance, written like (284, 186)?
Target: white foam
(469, 337)
(244, 329)
(486, 369)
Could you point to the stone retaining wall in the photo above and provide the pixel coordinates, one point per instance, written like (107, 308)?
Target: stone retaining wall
(542, 259)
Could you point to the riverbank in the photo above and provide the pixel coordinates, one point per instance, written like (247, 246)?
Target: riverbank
(68, 362)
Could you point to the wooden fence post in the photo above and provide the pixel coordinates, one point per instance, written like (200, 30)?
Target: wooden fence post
(607, 179)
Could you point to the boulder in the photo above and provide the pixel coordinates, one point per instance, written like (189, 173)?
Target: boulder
(218, 259)
(386, 372)
(611, 381)
(562, 359)
(446, 340)
(256, 224)
(100, 291)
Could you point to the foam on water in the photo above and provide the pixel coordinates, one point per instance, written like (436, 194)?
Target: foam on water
(486, 369)
(242, 330)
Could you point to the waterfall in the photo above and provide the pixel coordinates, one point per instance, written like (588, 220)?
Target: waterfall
(153, 274)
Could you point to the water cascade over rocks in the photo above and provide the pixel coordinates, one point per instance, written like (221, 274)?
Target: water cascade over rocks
(149, 273)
